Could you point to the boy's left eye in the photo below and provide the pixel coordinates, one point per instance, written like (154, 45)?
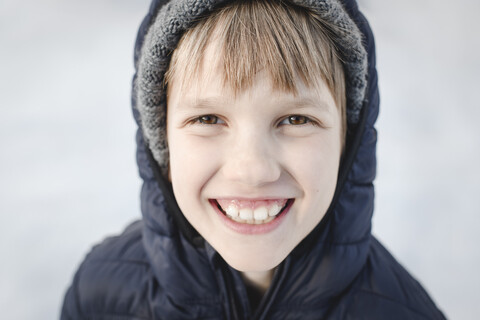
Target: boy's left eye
(295, 120)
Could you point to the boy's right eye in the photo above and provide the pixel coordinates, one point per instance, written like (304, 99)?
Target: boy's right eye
(209, 119)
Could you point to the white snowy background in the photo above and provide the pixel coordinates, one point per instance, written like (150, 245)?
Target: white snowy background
(68, 176)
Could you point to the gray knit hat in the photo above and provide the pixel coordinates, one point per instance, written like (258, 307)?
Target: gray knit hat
(178, 15)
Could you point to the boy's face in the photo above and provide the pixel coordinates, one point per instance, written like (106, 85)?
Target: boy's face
(250, 156)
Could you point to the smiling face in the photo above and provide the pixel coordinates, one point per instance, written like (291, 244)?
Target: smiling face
(254, 171)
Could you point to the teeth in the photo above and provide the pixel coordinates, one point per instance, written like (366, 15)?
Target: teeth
(232, 211)
(245, 214)
(260, 213)
(274, 210)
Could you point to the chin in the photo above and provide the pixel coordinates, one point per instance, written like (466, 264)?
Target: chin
(253, 261)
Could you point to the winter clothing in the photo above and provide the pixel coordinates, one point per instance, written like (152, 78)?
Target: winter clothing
(160, 268)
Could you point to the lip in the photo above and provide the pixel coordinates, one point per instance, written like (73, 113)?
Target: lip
(250, 229)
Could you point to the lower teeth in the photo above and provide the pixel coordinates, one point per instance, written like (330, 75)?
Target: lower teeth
(251, 221)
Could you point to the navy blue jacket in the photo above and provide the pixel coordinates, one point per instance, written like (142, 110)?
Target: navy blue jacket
(159, 269)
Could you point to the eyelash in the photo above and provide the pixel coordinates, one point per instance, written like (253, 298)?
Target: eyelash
(204, 119)
(296, 117)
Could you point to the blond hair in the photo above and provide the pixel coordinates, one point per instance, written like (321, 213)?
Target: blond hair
(284, 39)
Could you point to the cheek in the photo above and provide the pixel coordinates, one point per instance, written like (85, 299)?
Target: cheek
(314, 165)
(191, 159)
(314, 156)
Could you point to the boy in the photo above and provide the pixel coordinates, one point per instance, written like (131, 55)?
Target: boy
(257, 151)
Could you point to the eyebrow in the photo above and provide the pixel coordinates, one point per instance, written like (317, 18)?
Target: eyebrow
(304, 103)
(307, 102)
(297, 103)
(205, 103)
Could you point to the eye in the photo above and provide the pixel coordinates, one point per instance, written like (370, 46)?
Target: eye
(209, 119)
(295, 120)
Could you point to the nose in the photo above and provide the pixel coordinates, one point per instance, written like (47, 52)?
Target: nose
(251, 159)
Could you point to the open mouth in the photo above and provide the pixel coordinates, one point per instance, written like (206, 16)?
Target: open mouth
(252, 212)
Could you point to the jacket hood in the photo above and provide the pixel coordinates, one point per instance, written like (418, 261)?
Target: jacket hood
(330, 257)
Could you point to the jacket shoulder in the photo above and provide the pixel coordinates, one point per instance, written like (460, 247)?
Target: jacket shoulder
(385, 290)
(113, 281)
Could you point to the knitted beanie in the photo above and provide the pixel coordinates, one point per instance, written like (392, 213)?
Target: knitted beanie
(178, 15)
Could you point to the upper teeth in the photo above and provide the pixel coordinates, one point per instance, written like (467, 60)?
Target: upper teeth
(260, 214)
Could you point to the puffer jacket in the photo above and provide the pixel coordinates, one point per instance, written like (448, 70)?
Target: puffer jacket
(159, 269)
